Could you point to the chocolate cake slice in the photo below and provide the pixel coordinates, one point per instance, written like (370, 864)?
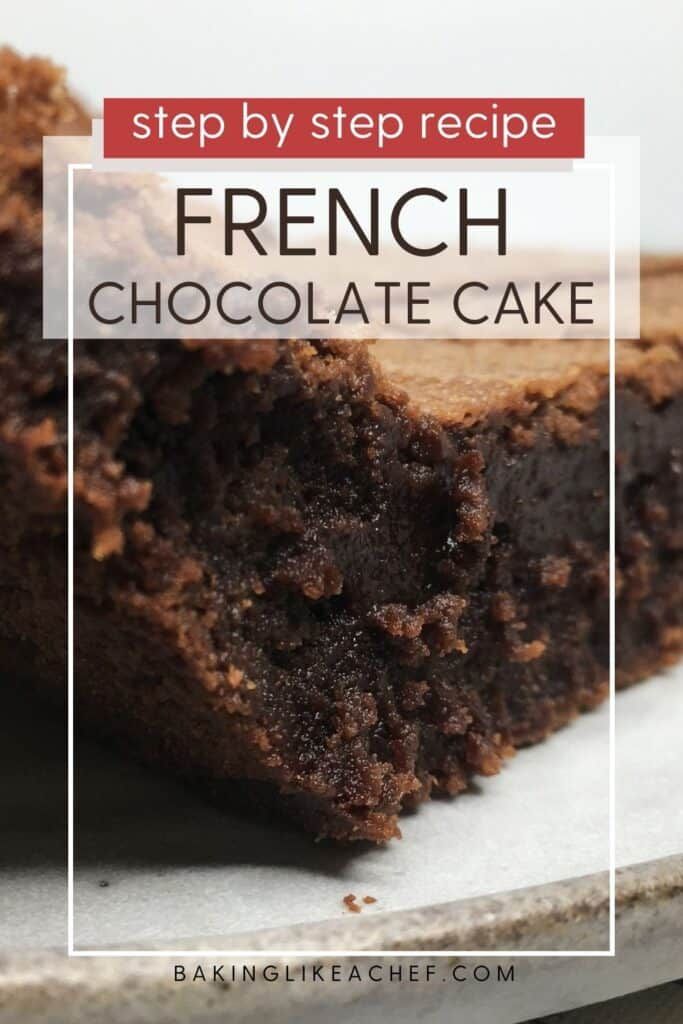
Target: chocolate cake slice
(352, 576)
(34, 102)
(332, 576)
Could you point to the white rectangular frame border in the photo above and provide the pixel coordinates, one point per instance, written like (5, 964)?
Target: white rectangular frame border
(326, 954)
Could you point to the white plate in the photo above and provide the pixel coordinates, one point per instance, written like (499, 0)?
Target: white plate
(158, 866)
(182, 875)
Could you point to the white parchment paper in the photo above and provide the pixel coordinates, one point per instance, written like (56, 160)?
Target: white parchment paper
(158, 865)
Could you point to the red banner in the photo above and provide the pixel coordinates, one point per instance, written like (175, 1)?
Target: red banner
(344, 128)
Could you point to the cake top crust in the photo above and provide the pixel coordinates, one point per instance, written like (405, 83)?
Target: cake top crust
(457, 382)
(34, 102)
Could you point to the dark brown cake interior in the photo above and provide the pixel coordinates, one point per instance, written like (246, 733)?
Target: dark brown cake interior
(325, 588)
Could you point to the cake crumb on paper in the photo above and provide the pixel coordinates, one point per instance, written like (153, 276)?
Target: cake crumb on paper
(351, 902)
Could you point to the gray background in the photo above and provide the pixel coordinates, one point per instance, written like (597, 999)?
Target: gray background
(622, 55)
